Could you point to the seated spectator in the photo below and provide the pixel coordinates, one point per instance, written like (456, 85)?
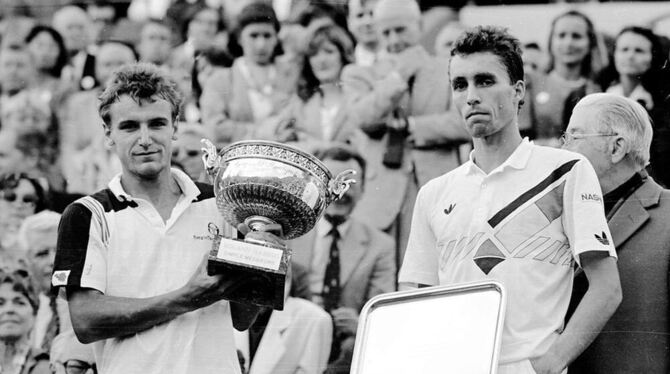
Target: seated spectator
(87, 163)
(533, 58)
(317, 113)
(155, 41)
(37, 240)
(50, 55)
(636, 339)
(186, 150)
(76, 28)
(69, 356)
(444, 41)
(574, 59)
(18, 306)
(348, 260)
(295, 340)
(637, 73)
(235, 102)
(362, 27)
(200, 29)
(20, 196)
(17, 71)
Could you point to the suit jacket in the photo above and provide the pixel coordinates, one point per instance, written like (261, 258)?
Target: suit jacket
(367, 264)
(296, 340)
(431, 149)
(637, 337)
(225, 105)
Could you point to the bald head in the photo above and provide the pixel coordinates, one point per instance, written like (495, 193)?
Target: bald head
(398, 24)
(74, 24)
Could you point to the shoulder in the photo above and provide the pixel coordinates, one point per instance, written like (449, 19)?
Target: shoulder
(305, 310)
(103, 199)
(438, 184)
(377, 238)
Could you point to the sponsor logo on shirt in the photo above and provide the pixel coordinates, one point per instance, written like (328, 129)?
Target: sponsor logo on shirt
(592, 197)
(449, 209)
(59, 278)
(602, 238)
(213, 232)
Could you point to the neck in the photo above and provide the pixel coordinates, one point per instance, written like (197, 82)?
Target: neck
(491, 151)
(628, 83)
(154, 190)
(370, 46)
(616, 175)
(569, 72)
(10, 348)
(330, 88)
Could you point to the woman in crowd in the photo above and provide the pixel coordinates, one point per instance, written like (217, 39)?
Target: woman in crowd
(50, 56)
(574, 59)
(18, 306)
(316, 114)
(20, 196)
(237, 103)
(637, 73)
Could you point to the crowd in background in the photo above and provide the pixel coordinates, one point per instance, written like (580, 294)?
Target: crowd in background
(324, 74)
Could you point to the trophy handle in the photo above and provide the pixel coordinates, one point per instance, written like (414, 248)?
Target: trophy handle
(339, 185)
(210, 158)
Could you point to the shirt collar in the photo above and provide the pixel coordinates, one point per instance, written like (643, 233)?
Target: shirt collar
(187, 186)
(517, 160)
(323, 227)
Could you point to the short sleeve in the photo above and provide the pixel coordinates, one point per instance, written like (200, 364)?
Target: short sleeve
(80, 251)
(420, 264)
(584, 219)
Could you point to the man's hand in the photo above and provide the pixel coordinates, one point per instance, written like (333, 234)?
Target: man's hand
(548, 364)
(346, 321)
(409, 61)
(207, 289)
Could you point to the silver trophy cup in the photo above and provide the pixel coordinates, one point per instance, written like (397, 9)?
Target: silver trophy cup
(266, 185)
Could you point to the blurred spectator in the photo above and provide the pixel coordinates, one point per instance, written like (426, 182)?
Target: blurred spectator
(349, 261)
(362, 27)
(18, 306)
(199, 33)
(444, 41)
(17, 71)
(27, 111)
(237, 101)
(37, 240)
(86, 162)
(103, 17)
(435, 14)
(74, 25)
(317, 113)
(155, 42)
(186, 150)
(637, 73)
(207, 62)
(533, 58)
(50, 55)
(20, 196)
(294, 340)
(69, 356)
(637, 337)
(403, 104)
(574, 59)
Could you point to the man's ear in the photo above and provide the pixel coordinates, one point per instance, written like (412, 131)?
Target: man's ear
(619, 149)
(519, 90)
(108, 131)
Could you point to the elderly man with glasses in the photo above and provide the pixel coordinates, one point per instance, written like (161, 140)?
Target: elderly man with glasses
(615, 134)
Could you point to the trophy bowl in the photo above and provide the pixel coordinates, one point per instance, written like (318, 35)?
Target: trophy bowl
(264, 184)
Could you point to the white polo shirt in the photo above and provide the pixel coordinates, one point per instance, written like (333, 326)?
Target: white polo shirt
(120, 246)
(523, 224)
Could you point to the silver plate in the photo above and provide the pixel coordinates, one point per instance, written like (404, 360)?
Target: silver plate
(442, 329)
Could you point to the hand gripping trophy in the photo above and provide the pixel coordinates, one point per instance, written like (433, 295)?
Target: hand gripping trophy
(266, 185)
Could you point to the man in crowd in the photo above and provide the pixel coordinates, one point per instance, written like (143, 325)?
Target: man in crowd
(615, 133)
(154, 45)
(17, 71)
(515, 213)
(363, 28)
(402, 103)
(75, 26)
(133, 257)
(349, 260)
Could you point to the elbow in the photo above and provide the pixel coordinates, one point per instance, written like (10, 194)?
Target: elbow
(83, 332)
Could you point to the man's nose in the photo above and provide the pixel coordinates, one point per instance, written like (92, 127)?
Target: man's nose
(473, 96)
(145, 136)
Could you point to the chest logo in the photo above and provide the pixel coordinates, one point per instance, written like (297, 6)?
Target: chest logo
(449, 209)
(602, 238)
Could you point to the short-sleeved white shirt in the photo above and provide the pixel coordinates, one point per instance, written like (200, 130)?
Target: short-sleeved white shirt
(524, 224)
(121, 246)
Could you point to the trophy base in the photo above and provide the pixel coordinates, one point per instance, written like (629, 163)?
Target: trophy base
(263, 262)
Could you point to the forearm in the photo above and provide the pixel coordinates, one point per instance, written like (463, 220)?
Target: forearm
(96, 316)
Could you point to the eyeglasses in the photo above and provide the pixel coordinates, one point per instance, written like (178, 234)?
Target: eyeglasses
(569, 137)
(79, 367)
(10, 196)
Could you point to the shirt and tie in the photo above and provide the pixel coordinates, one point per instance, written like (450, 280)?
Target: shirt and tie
(324, 274)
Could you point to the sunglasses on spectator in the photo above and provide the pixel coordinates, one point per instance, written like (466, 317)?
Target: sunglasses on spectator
(78, 367)
(14, 270)
(10, 196)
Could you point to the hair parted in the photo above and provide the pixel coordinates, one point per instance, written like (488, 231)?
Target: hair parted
(140, 81)
(495, 40)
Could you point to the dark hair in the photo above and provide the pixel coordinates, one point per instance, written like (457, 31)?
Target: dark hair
(652, 80)
(591, 64)
(11, 181)
(342, 152)
(62, 59)
(216, 57)
(255, 12)
(495, 40)
(140, 81)
(308, 84)
(21, 282)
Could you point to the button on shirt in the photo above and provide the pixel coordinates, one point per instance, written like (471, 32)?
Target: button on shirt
(523, 224)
